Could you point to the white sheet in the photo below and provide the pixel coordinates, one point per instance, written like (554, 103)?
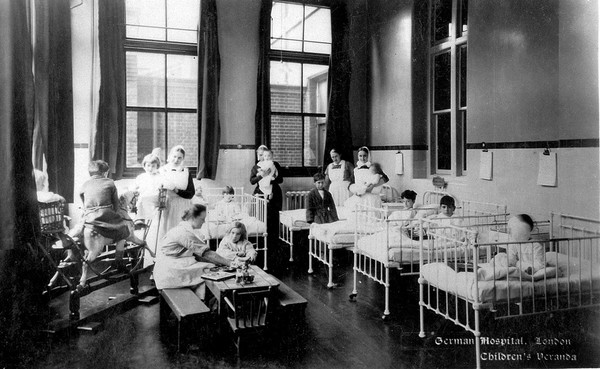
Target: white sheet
(341, 233)
(403, 249)
(217, 230)
(573, 277)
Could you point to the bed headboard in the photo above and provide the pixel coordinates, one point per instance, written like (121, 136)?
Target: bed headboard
(433, 197)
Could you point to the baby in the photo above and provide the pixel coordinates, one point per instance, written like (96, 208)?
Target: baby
(268, 172)
(147, 186)
(375, 175)
(226, 209)
(528, 257)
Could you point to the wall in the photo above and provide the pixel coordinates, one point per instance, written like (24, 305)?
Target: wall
(532, 76)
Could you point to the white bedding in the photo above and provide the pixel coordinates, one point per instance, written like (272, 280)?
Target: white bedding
(341, 233)
(572, 277)
(402, 249)
(296, 219)
(218, 229)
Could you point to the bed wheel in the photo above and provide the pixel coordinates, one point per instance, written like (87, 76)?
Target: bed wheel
(353, 297)
(384, 317)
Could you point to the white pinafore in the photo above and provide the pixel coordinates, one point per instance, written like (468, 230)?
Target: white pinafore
(338, 187)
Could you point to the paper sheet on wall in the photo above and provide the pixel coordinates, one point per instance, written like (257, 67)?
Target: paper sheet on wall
(399, 163)
(485, 165)
(547, 170)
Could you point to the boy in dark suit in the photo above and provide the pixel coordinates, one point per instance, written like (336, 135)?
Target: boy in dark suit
(320, 206)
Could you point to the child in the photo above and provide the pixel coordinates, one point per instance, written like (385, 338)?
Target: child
(198, 198)
(320, 205)
(102, 211)
(375, 175)
(409, 197)
(268, 172)
(528, 257)
(235, 246)
(226, 209)
(147, 186)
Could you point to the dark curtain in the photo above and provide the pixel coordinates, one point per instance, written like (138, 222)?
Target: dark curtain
(20, 280)
(53, 132)
(339, 130)
(209, 74)
(263, 93)
(109, 139)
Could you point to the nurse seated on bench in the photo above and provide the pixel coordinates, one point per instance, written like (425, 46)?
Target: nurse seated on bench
(182, 258)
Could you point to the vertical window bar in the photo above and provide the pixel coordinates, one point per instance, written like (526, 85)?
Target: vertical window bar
(166, 110)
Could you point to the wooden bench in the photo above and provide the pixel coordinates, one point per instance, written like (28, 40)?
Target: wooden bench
(288, 299)
(184, 304)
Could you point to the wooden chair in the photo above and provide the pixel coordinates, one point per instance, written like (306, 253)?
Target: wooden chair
(248, 313)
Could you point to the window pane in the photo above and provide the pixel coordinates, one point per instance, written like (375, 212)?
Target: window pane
(314, 140)
(462, 65)
(441, 93)
(315, 88)
(182, 36)
(145, 19)
(463, 18)
(145, 79)
(286, 24)
(317, 47)
(182, 81)
(286, 140)
(145, 131)
(183, 130)
(317, 26)
(444, 161)
(285, 87)
(442, 19)
(183, 14)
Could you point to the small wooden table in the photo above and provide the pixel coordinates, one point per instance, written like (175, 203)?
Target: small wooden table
(220, 289)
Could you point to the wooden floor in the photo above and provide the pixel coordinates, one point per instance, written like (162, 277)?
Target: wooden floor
(335, 333)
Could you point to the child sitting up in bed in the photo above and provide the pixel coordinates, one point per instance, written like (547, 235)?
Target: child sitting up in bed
(226, 209)
(375, 175)
(528, 257)
(320, 207)
(268, 172)
(235, 245)
(409, 197)
(443, 218)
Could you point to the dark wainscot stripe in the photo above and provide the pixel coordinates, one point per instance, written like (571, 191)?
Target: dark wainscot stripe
(236, 147)
(395, 147)
(81, 145)
(586, 142)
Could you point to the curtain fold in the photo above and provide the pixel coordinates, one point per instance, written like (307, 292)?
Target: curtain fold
(109, 139)
(53, 129)
(209, 75)
(339, 129)
(262, 116)
(20, 276)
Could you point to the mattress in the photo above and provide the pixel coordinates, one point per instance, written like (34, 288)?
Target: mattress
(341, 233)
(572, 277)
(294, 219)
(395, 247)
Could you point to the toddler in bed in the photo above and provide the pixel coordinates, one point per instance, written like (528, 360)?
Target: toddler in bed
(226, 209)
(528, 257)
(268, 172)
